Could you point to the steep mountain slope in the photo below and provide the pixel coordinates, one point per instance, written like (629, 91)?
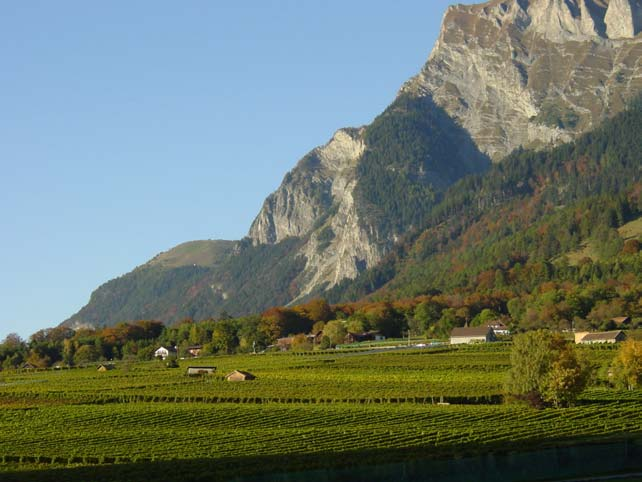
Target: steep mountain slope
(527, 215)
(503, 74)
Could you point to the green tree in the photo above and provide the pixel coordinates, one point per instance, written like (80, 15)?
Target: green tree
(427, 313)
(336, 331)
(546, 369)
(86, 354)
(447, 322)
(484, 317)
(224, 337)
(326, 343)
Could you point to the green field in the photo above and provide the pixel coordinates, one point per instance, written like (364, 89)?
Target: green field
(302, 412)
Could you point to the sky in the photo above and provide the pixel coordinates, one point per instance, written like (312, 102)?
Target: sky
(127, 128)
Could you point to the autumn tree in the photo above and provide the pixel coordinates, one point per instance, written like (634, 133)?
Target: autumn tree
(301, 342)
(279, 322)
(627, 366)
(317, 310)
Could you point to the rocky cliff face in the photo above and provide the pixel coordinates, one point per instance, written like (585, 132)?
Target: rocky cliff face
(316, 201)
(533, 72)
(623, 18)
(308, 191)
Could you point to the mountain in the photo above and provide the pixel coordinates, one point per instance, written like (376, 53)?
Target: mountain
(503, 75)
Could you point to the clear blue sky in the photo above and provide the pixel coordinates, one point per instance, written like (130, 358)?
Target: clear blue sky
(129, 127)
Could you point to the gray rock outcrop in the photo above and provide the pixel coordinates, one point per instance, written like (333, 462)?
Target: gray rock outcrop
(530, 73)
(623, 18)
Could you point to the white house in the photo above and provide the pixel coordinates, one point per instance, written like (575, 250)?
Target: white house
(499, 328)
(476, 334)
(163, 352)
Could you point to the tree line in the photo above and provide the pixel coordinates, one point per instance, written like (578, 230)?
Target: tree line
(557, 306)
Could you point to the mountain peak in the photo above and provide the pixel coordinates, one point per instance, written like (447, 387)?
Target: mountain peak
(563, 20)
(624, 18)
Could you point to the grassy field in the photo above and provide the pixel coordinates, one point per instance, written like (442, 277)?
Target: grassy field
(302, 412)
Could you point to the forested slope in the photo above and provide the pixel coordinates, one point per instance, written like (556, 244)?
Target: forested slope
(513, 225)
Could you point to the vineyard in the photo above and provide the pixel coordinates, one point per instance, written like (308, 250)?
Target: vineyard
(302, 412)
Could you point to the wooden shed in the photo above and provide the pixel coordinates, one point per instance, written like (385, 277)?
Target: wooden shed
(197, 371)
(239, 376)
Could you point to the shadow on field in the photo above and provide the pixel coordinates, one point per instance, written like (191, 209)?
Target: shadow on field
(402, 465)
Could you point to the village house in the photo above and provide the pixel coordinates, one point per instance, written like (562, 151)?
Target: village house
(197, 371)
(315, 338)
(239, 376)
(285, 343)
(366, 336)
(600, 337)
(499, 328)
(475, 334)
(164, 352)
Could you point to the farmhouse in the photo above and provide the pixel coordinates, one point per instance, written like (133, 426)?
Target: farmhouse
(105, 367)
(366, 336)
(195, 371)
(476, 334)
(239, 376)
(163, 352)
(602, 337)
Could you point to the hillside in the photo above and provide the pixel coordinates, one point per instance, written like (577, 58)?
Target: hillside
(503, 76)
